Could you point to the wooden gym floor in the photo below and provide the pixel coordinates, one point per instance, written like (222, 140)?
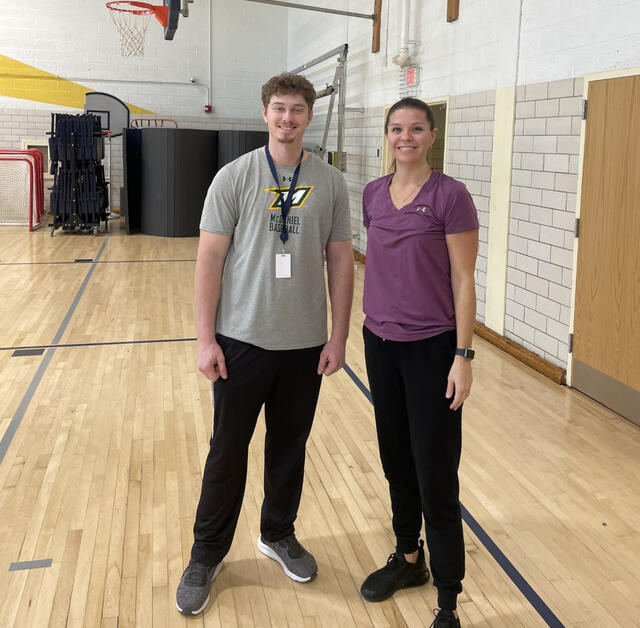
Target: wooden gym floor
(104, 436)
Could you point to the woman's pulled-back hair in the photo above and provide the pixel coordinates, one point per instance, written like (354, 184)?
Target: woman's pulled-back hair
(411, 103)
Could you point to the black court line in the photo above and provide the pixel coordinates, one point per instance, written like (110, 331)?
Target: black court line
(93, 344)
(145, 261)
(507, 566)
(31, 564)
(108, 261)
(37, 378)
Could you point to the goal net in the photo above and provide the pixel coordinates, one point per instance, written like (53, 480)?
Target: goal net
(19, 198)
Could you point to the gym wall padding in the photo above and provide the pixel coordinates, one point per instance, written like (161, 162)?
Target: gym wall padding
(168, 173)
(232, 144)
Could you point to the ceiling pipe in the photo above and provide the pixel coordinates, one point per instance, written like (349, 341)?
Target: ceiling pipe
(402, 58)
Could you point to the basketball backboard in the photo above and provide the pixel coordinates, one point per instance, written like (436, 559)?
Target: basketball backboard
(114, 114)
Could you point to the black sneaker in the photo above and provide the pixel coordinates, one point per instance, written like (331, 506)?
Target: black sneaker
(445, 619)
(396, 574)
(194, 588)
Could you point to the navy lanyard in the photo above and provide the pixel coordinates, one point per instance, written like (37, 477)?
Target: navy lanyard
(286, 203)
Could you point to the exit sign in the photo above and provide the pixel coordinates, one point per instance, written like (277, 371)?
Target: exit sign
(413, 77)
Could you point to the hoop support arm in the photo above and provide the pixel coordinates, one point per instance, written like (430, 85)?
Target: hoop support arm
(375, 16)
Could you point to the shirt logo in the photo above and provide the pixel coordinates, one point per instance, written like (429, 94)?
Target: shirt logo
(423, 209)
(300, 195)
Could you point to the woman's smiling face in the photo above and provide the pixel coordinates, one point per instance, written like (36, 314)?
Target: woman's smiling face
(410, 135)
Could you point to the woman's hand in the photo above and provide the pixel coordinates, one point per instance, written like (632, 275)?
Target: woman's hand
(459, 381)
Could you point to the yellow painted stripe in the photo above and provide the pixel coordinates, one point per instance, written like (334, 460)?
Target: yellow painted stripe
(19, 80)
(499, 208)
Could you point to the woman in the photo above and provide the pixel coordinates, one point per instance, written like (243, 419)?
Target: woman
(420, 306)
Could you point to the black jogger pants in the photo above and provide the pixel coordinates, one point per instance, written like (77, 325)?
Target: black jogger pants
(420, 442)
(287, 383)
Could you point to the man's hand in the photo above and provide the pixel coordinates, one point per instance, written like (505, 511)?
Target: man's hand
(459, 381)
(211, 360)
(332, 357)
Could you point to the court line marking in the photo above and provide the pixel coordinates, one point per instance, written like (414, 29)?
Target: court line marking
(31, 564)
(37, 378)
(106, 261)
(507, 566)
(98, 344)
(28, 351)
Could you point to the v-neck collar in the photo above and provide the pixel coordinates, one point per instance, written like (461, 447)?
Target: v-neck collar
(425, 185)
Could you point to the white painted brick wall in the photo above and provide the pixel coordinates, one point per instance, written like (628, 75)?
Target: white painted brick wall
(573, 38)
(78, 40)
(544, 145)
(470, 162)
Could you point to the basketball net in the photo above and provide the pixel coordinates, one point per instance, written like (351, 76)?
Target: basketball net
(131, 20)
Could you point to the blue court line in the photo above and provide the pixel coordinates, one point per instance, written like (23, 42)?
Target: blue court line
(507, 566)
(37, 378)
(96, 344)
(31, 564)
(358, 383)
(108, 261)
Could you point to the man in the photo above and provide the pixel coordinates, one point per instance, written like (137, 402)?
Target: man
(268, 219)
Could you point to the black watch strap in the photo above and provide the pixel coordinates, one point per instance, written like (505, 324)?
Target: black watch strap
(466, 353)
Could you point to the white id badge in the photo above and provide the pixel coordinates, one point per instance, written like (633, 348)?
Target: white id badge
(283, 265)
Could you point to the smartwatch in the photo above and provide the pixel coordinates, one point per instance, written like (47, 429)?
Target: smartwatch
(466, 353)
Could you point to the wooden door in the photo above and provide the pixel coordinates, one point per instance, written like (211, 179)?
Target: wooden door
(606, 345)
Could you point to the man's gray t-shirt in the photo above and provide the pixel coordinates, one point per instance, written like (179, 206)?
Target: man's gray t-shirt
(244, 202)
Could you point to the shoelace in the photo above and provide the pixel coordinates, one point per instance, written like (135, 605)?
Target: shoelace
(392, 558)
(294, 549)
(196, 574)
(444, 615)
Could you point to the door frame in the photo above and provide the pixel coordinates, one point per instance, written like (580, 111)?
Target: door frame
(385, 158)
(599, 76)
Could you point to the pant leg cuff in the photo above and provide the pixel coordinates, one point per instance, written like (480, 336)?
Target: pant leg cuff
(406, 546)
(203, 557)
(447, 599)
(274, 537)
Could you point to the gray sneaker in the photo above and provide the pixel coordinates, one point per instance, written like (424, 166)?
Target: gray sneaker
(194, 588)
(297, 563)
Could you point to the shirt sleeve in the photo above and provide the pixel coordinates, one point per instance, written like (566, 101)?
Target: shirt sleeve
(460, 213)
(341, 227)
(220, 213)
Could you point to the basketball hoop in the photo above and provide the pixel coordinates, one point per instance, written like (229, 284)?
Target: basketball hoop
(158, 123)
(131, 19)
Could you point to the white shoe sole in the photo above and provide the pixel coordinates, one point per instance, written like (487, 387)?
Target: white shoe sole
(215, 575)
(267, 551)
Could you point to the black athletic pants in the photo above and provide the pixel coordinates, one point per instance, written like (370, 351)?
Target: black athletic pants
(287, 383)
(420, 441)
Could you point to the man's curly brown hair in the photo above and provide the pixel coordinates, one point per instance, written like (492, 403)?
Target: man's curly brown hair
(288, 83)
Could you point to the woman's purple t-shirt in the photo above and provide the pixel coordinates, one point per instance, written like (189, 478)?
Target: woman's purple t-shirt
(407, 282)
